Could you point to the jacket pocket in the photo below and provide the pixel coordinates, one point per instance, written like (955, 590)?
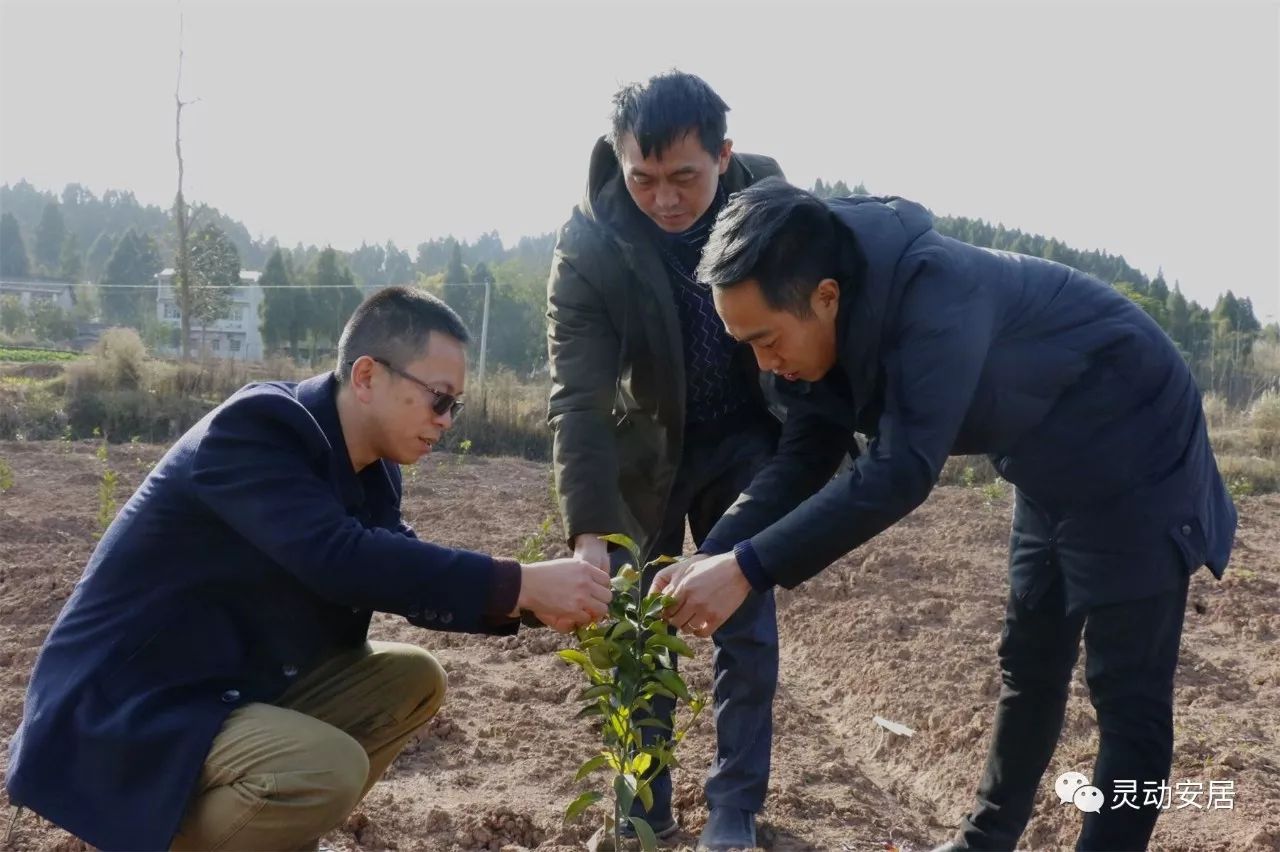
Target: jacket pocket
(1188, 535)
(199, 643)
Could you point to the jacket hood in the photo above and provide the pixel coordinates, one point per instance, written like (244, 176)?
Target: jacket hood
(883, 230)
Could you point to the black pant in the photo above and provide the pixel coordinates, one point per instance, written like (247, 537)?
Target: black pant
(719, 462)
(1131, 652)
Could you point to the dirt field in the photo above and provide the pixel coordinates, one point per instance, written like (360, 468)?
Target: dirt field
(906, 628)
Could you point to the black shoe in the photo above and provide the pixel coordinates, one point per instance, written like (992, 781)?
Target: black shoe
(728, 828)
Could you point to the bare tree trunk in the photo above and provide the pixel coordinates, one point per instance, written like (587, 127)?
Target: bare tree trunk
(182, 265)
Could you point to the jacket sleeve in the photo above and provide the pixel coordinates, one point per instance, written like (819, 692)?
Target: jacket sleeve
(584, 349)
(255, 470)
(932, 368)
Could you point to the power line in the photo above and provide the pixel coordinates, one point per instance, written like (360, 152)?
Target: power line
(279, 286)
(229, 287)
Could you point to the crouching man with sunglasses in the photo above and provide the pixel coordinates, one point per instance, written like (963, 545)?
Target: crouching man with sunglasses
(209, 684)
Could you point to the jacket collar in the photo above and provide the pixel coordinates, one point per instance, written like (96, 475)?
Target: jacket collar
(879, 232)
(319, 395)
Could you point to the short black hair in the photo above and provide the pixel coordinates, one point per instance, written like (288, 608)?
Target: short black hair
(662, 109)
(395, 324)
(784, 238)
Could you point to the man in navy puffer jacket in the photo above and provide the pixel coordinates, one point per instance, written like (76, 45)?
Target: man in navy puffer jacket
(872, 321)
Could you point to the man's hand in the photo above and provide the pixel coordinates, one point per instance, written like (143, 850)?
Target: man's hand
(564, 593)
(590, 548)
(671, 576)
(561, 625)
(707, 593)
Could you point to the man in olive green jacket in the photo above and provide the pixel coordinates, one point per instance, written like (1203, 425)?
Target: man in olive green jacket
(658, 415)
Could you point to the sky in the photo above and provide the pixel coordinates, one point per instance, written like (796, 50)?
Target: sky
(1145, 129)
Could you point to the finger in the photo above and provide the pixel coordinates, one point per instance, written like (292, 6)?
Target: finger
(689, 616)
(601, 594)
(663, 578)
(678, 574)
(676, 613)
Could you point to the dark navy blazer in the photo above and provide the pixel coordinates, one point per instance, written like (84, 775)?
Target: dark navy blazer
(251, 552)
(1078, 397)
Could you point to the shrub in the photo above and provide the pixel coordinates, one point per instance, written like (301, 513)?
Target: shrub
(1264, 416)
(1249, 474)
(120, 358)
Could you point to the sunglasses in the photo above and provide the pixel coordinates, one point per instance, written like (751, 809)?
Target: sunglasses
(445, 403)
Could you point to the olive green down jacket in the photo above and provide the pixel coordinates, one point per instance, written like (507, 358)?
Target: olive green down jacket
(617, 404)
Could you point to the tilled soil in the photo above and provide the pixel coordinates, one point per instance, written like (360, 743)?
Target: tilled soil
(904, 628)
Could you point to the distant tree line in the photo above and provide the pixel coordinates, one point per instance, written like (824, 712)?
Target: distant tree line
(309, 291)
(1217, 342)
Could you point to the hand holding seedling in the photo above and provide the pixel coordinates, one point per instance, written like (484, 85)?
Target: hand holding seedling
(668, 578)
(564, 593)
(706, 590)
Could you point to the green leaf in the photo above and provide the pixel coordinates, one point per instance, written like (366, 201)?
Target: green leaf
(619, 727)
(624, 788)
(675, 643)
(573, 655)
(653, 723)
(580, 804)
(644, 833)
(621, 630)
(593, 710)
(600, 690)
(603, 655)
(672, 681)
(645, 795)
(662, 562)
(624, 541)
(639, 764)
(653, 689)
(591, 766)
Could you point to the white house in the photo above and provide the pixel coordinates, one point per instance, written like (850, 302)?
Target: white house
(237, 336)
(32, 291)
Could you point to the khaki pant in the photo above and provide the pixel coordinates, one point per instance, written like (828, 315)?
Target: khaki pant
(279, 776)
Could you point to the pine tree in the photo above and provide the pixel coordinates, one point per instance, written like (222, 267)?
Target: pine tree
(455, 272)
(70, 261)
(129, 291)
(14, 262)
(50, 234)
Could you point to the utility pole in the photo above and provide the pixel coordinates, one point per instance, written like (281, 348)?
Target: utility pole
(484, 340)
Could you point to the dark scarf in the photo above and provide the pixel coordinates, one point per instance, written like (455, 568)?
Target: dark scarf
(715, 388)
(683, 250)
